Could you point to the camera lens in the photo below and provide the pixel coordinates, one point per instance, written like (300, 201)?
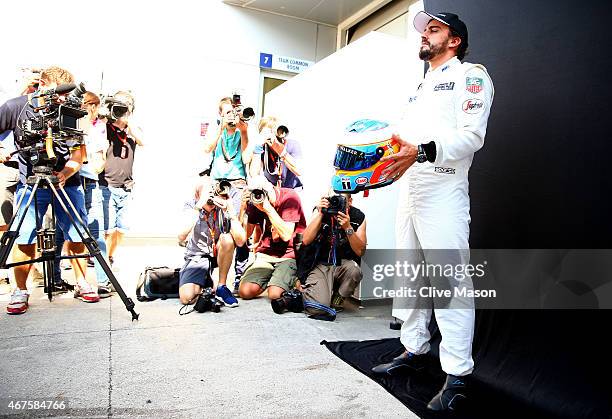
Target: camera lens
(117, 111)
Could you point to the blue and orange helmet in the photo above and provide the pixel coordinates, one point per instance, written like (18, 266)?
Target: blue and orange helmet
(358, 167)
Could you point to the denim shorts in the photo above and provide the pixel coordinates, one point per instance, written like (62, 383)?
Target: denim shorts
(27, 232)
(115, 203)
(197, 270)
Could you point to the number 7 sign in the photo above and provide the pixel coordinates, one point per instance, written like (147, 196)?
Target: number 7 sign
(265, 60)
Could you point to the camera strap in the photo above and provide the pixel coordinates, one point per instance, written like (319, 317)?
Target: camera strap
(224, 138)
(278, 165)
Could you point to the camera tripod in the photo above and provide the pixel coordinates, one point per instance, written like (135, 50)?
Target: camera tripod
(43, 178)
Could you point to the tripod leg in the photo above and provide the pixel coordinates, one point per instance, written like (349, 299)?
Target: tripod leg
(48, 250)
(9, 236)
(93, 248)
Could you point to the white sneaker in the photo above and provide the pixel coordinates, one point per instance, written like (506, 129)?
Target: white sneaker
(18, 303)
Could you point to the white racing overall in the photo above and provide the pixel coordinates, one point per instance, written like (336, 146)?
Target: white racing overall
(451, 108)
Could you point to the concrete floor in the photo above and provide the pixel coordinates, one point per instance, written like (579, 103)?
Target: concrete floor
(244, 361)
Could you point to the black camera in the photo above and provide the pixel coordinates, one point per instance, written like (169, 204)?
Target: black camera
(52, 118)
(207, 302)
(114, 109)
(289, 300)
(258, 196)
(245, 114)
(223, 187)
(337, 203)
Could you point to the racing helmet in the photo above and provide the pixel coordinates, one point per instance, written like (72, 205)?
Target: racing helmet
(358, 167)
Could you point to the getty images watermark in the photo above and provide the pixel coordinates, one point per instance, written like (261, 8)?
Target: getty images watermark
(456, 274)
(490, 278)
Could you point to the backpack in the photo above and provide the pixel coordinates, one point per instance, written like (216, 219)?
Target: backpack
(158, 282)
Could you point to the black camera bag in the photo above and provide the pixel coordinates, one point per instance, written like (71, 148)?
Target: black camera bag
(158, 282)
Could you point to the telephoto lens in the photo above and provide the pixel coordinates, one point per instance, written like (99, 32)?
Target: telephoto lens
(258, 196)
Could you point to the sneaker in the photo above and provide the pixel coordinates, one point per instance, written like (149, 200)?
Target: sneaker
(90, 263)
(407, 360)
(85, 292)
(337, 302)
(111, 260)
(451, 396)
(105, 290)
(224, 294)
(235, 292)
(18, 303)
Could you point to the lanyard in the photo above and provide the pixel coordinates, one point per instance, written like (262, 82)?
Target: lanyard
(211, 229)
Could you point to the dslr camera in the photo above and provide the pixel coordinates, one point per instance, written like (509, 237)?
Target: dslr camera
(244, 113)
(207, 302)
(337, 203)
(52, 118)
(258, 196)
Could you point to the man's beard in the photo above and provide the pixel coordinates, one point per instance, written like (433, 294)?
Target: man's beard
(433, 51)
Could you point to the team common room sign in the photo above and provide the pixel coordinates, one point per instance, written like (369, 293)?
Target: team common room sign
(279, 62)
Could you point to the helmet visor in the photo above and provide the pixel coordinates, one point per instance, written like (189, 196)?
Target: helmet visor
(352, 160)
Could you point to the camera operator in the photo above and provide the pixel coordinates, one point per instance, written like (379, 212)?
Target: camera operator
(12, 113)
(210, 244)
(339, 236)
(116, 181)
(230, 156)
(96, 145)
(278, 212)
(279, 156)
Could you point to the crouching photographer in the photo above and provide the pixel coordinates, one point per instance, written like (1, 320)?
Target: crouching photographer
(278, 211)
(214, 235)
(334, 242)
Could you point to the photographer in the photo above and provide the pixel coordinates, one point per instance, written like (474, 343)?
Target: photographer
(230, 156)
(96, 145)
(68, 163)
(278, 212)
(116, 181)
(338, 235)
(211, 243)
(279, 155)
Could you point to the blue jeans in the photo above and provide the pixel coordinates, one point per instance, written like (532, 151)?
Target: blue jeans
(27, 233)
(95, 223)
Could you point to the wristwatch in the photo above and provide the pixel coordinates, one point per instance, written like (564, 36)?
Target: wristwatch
(421, 154)
(349, 231)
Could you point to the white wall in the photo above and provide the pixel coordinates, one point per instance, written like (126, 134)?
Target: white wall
(177, 57)
(370, 78)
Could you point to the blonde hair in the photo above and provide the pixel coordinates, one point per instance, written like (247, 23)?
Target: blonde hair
(56, 75)
(267, 122)
(224, 101)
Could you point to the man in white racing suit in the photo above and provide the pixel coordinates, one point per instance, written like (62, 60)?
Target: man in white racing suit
(445, 124)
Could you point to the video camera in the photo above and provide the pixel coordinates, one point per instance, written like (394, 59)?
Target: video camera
(245, 114)
(337, 203)
(54, 118)
(114, 108)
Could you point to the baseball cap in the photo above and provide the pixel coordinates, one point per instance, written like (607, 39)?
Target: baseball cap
(450, 19)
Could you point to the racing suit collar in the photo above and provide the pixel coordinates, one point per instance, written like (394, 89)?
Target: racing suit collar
(445, 65)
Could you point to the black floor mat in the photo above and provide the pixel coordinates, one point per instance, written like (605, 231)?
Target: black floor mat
(415, 390)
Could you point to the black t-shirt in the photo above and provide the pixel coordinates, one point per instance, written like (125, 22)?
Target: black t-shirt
(343, 247)
(119, 158)
(12, 113)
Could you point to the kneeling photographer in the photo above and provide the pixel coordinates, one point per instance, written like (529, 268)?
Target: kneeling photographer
(334, 242)
(278, 212)
(214, 235)
(28, 116)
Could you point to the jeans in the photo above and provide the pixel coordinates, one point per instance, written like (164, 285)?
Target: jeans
(95, 223)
